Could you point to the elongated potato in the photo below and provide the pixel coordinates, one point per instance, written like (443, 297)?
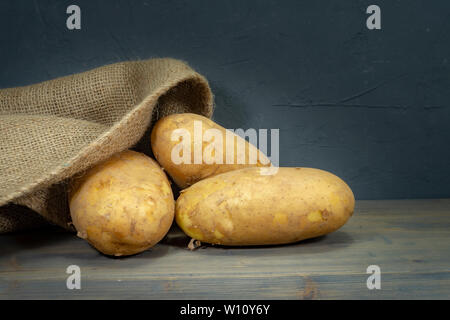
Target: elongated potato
(244, 207)
(124, 205)
(167, 135)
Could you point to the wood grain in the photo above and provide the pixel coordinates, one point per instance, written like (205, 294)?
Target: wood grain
(408, 239)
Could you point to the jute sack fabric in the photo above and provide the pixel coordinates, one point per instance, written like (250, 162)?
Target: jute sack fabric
(54, 130)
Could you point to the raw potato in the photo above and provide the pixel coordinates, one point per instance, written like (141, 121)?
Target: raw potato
(244, 207)
(184, 174)
(124, 205)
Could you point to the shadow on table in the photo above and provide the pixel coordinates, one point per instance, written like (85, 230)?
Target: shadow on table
(54, 241)
(32, 240)
(326, 243)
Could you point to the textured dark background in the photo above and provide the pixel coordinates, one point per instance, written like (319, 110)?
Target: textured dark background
(372, 106)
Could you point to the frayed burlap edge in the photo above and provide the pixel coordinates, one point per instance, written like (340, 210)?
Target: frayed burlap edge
(47, 195)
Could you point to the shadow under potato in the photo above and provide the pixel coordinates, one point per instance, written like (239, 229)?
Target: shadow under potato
(154, 252)
(51, 236)
(320, 244)
(46, 236)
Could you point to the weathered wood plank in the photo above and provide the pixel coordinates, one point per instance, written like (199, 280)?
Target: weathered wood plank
(408, 239)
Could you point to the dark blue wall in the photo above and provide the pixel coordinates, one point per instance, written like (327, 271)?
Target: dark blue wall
(371, 106)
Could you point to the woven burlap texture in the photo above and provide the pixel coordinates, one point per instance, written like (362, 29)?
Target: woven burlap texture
(56, 129)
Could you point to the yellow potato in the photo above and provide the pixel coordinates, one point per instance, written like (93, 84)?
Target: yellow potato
(122, 206)
(244, 207)
(164, 140)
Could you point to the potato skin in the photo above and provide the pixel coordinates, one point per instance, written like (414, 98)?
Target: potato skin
(122, 206)
(185, 175)
(244, 207)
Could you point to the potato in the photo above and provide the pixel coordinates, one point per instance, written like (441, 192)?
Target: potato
(185, 174)
(122, 206)
(244, 207)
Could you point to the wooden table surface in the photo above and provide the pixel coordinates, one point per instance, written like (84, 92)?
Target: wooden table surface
(408, 239)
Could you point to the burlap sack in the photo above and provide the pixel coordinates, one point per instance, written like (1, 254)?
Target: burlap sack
(53, 130)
